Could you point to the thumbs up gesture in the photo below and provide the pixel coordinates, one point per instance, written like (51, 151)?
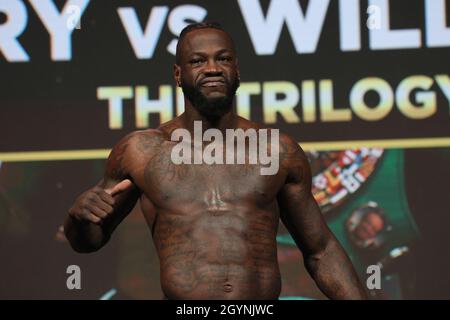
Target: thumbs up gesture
(122, 186)
(97, 203)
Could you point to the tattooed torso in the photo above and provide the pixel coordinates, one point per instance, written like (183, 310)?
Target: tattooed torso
(214, 226)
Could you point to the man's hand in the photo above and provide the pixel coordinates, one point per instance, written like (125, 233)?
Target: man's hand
(97, 212)
(96, 204)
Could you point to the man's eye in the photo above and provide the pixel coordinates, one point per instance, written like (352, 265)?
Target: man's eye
(196, 61)
(225, 59)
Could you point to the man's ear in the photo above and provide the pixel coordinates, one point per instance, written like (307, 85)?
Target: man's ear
(177, 74)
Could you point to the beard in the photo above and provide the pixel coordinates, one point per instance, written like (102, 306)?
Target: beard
(211, 108)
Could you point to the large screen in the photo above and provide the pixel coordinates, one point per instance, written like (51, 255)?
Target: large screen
(363, 86)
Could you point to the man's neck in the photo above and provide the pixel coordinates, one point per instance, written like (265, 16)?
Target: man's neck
(227, 121)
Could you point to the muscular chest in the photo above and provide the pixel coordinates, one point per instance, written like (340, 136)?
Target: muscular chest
(163, 181)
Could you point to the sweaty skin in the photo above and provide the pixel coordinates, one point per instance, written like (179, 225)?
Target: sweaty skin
(214, 226)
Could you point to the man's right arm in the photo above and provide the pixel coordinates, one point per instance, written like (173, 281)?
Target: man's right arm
(97, 212)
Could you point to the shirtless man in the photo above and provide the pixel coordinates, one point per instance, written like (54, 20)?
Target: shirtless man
(214, 225)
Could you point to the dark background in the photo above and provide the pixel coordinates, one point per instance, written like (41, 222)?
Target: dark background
(53, 105)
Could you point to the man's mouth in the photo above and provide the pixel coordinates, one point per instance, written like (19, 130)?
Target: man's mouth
(212, 82)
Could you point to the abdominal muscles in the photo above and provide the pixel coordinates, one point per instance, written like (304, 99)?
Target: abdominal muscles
(218, 255)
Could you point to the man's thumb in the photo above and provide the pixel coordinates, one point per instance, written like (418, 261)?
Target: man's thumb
(120, 187)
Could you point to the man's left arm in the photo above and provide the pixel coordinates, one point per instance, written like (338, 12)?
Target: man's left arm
(324, 257)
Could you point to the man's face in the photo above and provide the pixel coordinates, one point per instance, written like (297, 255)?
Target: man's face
(208, 71)
(369, 226)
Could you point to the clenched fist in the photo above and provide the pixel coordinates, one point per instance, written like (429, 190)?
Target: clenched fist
(97, 203)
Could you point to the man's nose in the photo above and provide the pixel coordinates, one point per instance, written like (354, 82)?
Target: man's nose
(212, 68)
